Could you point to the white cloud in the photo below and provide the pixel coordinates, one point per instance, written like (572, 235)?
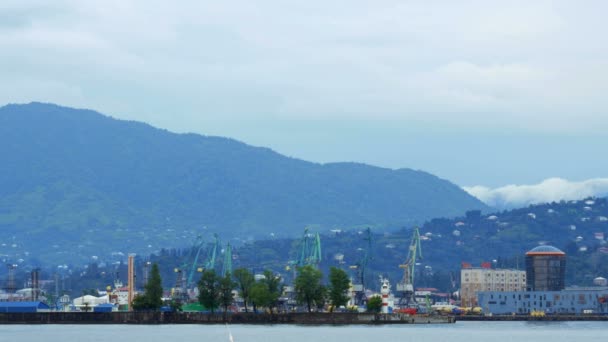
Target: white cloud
(472, 63)
(549, 190)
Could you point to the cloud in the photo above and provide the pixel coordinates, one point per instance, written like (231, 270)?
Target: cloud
(471, 63)
(549, 190)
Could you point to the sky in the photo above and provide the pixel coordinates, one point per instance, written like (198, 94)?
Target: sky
(485, 94)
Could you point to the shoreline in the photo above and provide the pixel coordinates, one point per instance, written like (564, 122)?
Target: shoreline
(312, 319)
(547, 318)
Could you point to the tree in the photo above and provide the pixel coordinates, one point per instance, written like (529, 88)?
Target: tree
(308, 287)
(338, 286)
(208, 290)
(225, 287)
(244, 282)
(266, 291)
(151, 299)
(274, 286)
(374, 304)
(259, 296)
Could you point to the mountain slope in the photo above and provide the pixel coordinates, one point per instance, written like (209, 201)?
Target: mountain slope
(76, 175)
(579, 228)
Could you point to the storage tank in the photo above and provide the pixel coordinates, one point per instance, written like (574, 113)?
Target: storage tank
(600, 281)
(545, 269)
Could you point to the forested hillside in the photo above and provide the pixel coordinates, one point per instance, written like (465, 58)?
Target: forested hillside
(75, 184)
(579, 228)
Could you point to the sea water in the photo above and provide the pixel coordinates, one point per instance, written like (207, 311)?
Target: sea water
(458, 332)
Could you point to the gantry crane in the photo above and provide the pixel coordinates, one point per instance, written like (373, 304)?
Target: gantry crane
(193, 267)
(310, 249)
(309, 252)
(184, 274)
(406, 286)
(210, 263)
(361, 269)
(227, 264)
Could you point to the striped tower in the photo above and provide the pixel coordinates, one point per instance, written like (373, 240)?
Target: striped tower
(385, 290)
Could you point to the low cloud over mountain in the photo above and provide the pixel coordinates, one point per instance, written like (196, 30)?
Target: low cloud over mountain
(549, 190)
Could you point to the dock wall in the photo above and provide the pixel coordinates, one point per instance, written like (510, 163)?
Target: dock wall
(219, 318)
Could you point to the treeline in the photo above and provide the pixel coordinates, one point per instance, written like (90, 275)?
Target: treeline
(217, 291)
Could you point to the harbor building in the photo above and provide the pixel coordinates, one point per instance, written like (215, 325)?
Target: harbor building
(545, 290)
(592, 300)
(546, 269)
(477, 279)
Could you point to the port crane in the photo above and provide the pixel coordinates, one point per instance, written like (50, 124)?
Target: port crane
(185, 274)
(310, 249)
(309, 252)
(198, 246)
(361, 268)
(216, 246)
(406, 286)
(227, 264)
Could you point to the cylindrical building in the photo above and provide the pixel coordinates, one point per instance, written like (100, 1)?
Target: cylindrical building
(545, 269)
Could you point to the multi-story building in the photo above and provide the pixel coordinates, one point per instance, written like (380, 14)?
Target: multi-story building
(474, 280)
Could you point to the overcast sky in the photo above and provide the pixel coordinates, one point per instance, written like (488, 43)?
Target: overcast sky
(483, 93)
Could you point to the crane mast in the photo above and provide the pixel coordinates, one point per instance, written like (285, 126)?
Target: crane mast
(361, 269)
(227, 264)
(406, 286)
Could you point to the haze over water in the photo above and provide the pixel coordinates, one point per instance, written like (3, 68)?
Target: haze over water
(459, 332)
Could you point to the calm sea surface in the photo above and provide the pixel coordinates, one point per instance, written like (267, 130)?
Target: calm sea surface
(459, 332)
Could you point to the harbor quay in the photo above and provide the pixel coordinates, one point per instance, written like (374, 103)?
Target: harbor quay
(314, 318)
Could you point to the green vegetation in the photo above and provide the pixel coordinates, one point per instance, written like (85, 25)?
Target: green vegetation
(308, 287)
(209, 290)
(109, 185)
(151, 299)
(244, 281)
(266, 291)
(374, 304)
(338, 287)
(225, 287)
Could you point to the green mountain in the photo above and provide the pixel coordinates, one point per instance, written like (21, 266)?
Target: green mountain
(75, 182)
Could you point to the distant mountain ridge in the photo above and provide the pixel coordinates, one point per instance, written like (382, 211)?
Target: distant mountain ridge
(75, 179)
